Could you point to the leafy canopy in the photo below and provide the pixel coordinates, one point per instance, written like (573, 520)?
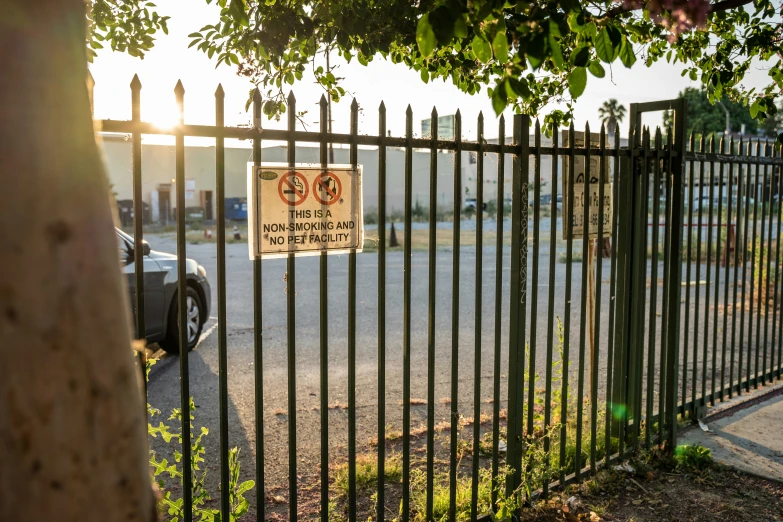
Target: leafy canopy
(707, 118)
(527, 54)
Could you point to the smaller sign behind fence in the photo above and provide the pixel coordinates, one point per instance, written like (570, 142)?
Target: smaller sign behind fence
(304, 210)
(596, 207)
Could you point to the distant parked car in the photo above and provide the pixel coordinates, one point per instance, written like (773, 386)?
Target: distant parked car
(471, 203)
(160, 294)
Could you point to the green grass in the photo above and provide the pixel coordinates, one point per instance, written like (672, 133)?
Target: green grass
(367, 472)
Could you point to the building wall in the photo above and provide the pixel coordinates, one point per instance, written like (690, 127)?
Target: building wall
(158, 172)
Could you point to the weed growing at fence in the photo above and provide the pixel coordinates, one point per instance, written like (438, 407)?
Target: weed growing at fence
(367, 472)
(692, 458)
(172, 508)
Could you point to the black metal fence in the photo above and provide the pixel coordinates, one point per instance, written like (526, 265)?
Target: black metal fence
(583, 368)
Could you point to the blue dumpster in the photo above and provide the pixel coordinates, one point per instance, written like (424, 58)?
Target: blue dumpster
(236, 209)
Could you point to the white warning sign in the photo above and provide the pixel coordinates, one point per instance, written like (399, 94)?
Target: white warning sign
(304, 210)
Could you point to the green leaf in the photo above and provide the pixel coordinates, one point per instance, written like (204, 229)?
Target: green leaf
(245, 487)
(554, 44)
(499, 98)
(580, 57)
(596, 69)
(604, 47)
(460, 27)
(591, 30)
(425, 77)
(481, 49)
(754, 109)
(576, 21)
(577, 82)
(239, 13)
(500, 44)
(627, 55)
(425, 36)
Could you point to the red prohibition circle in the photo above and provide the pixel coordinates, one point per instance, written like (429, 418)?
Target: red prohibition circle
(324, 192)
(290, 192)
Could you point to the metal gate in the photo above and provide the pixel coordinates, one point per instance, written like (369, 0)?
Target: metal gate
(563, 379)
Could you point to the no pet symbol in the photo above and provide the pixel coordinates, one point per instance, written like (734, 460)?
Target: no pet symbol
(327, 188)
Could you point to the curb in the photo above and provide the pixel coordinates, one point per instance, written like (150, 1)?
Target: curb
(731, 407)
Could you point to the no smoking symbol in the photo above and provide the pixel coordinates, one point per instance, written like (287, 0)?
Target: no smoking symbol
(293, 189)
(327, 188)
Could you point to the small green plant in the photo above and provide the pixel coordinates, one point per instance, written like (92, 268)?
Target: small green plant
(692, 457)
(174, 507)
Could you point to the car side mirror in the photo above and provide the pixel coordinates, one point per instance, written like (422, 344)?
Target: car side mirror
(145, 248)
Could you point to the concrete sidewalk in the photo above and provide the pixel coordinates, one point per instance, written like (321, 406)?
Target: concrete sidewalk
(749, 439)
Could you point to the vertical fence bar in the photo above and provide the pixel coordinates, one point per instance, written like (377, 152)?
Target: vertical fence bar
(138, 216)
(776, 289)
(612, 299)
(531, 387)
(381, 507)
(715, 323)
(220, 190)
(455, 320)
(498, 308)
(138, 224)
(637, 288)
(655, 230)
(698, 280)
(710, 218)
(765, 293)
(726, 261)
(518, 298)
(187, 481)
(597, 328)
(550, 316)
(753, 293)
(569, 224)
(406, 342)
(665, 178)
(583, 323)
(738, 235)
(676, 173)
(776, 152)
(293, 500)
(258, 338)
(323, 300)
(354, 159)
(431, 315)
(474, 483)
(518, 281)
(688, 262)
(623, 249)
(745, 235)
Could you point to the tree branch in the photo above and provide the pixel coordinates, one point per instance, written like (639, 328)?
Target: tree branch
(726, 5)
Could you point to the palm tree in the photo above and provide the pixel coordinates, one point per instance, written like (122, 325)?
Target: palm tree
(611, 113)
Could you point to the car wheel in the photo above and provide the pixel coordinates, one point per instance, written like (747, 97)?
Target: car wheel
(193, 321)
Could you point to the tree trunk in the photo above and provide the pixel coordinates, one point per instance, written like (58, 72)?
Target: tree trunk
(72, 431)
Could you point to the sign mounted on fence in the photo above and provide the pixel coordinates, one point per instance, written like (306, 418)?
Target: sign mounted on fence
(305, 210)
(596, 207)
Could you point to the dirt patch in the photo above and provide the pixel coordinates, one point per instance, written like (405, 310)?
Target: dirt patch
(716, 494)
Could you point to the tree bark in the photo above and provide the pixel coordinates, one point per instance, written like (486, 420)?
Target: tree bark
(72, 431)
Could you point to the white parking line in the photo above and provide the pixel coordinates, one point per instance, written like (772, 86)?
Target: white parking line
(206, 334)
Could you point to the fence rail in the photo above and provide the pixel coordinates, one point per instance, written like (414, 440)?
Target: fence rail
(601, 388)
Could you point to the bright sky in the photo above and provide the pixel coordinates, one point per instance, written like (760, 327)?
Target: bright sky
(397, 86)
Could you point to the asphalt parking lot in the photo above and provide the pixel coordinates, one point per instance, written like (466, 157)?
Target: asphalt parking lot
(164, 382)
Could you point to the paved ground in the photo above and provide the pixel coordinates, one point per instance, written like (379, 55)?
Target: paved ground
(748, 440)
(164, 383)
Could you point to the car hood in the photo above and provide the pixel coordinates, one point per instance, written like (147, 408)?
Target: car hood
(162, 256)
